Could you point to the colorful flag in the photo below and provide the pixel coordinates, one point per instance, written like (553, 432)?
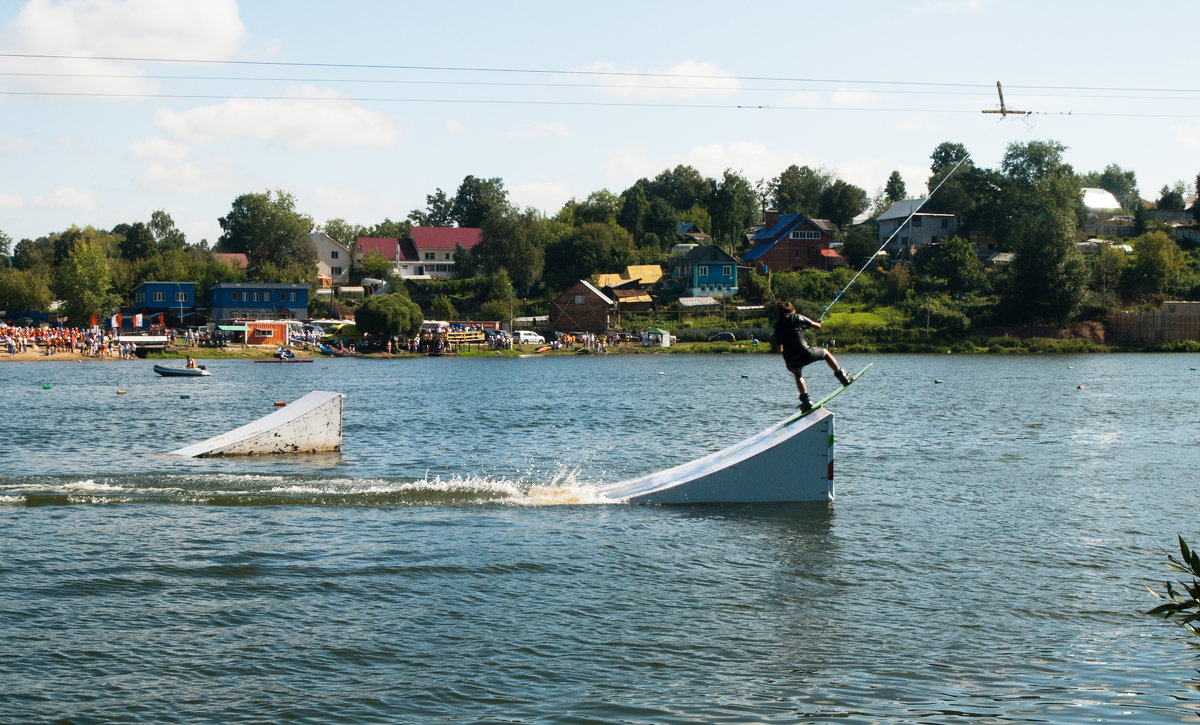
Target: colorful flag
(137, 320)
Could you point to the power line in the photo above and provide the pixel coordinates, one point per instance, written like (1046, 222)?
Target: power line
(602, 104)
(530, 84)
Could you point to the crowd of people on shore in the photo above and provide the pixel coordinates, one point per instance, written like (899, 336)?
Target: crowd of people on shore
(89, 342)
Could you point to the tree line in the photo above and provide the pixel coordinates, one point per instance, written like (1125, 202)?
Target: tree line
(1031, 206)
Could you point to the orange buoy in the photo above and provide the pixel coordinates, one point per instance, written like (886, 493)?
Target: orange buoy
(279, 404)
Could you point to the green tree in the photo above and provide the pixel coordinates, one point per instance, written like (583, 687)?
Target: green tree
(682, 187)
(841, 202)
(387, 229)
(376, 265)
(587, 250)
(733, 207)
(344, 232)
(388, 315)
(166, 235)
(894, 189)
(1156, 260)
(1107, 267)
(798, 190)
(137, 243)
(34, 254)
(946, 156)
(1183, 604)
(601, 207)
(438, 211)
(1048, 272)
(1170, 198)
(953, 260)
(270, 232)
(22, 290)
(443, 309)
(475, 198)
(634, 207)
(514, 241)
(1121, 183)
(84, 284)
(498, 297)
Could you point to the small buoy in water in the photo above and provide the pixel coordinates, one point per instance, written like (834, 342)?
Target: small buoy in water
(745, 376)
(1081, 387)
(45, 387)
(939, 380)
(279, 404)
(660, 372)
(120, 392)
(184, 397)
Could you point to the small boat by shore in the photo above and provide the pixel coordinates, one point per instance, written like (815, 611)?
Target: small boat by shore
(285, 360)
(172, 372)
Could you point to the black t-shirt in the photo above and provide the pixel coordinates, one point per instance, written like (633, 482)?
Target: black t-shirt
(789, 334)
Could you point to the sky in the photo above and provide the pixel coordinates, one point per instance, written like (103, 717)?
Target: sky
(112, 109)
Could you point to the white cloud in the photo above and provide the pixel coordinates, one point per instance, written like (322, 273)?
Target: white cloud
(117, 28)
(538, 131)
(158, 150)
(69, 198)
(1188, 135)
(315, 119)
(11, 201)
(334, 202)
(688, 79)
(70, 144)
(190, 178)
(12, 144)
(949, 7)
(844, 98)
(546, 196)
(453, 125)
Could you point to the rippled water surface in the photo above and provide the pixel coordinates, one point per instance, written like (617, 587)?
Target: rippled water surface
(997, 518)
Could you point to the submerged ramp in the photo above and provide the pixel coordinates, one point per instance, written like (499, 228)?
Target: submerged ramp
(791, 461)
(312, 424)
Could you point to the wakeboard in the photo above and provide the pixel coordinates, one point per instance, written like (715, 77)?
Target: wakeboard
(821, 403)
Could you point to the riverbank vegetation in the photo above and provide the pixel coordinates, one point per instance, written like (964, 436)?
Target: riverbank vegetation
(1012, 276)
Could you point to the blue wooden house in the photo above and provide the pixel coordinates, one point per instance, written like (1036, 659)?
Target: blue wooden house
(259, 301)
(706, 271)
(174, 301)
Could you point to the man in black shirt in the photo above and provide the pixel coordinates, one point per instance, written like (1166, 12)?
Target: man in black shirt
(789, 337)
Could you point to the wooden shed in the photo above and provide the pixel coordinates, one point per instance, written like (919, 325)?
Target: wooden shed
(583, 308)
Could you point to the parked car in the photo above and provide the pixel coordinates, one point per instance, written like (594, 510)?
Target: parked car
(525, 337)
(722, 337)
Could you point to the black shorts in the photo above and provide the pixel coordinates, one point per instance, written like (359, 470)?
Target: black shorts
(807, 356)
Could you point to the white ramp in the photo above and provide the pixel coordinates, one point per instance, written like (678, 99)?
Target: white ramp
(791, 461)
(312, 424)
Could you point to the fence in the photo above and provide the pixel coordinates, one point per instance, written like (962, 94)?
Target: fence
(1152, 327)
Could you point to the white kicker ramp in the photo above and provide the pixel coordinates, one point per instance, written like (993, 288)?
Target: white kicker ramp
(312, 424)
(791, 461)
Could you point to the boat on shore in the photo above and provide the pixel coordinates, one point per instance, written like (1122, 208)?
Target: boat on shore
(173, 372)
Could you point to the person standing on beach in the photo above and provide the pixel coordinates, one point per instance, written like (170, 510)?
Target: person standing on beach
(789, 338)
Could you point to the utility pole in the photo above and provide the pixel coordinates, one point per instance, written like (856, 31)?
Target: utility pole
(1003, 110)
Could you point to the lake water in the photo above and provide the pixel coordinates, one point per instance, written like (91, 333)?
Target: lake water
(985, 560)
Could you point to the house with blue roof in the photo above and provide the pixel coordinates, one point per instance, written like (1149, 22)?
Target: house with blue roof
(706, 271)
(791, 242)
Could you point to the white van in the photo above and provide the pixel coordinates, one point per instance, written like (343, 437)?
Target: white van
(525, 337)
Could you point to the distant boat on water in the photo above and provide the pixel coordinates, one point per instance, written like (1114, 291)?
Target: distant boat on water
(173, 372)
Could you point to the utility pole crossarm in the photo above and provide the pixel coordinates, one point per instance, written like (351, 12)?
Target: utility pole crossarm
(1004, 111)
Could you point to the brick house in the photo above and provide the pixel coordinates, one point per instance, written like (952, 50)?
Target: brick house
(791, 242)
